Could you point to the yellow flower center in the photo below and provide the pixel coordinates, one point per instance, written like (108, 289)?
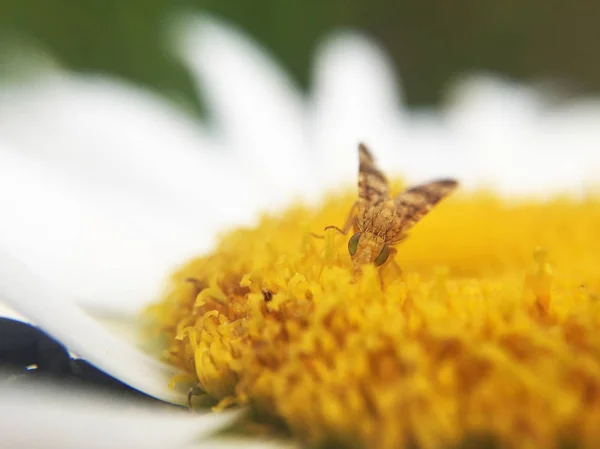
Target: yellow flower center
(492, 330)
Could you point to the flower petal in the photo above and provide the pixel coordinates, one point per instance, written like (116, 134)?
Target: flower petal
(107, 186)
(120, 139)
(519, 143)
(48, 307)
(87, 249)
(354, 99)
(7, 312)
(35, 415)
(255, 106)
(245, 443)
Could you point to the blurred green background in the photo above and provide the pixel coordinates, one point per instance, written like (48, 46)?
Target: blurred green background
(430, 41)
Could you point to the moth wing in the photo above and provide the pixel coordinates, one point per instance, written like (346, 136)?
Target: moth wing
(372, 183)
(413, 204)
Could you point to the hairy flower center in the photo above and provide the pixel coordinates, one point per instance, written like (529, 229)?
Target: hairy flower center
(483, 334)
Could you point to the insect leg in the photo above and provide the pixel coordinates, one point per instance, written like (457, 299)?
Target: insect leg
(390, 261)
(190, 396)
(341, 231)
(193, 391)
(349, 221)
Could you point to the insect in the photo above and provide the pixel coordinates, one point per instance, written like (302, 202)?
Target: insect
(379, 221)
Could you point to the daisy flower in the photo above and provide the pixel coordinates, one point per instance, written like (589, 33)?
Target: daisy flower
(107, 191)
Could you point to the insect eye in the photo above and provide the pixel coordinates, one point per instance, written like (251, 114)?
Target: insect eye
(353, 243)
(383, 256)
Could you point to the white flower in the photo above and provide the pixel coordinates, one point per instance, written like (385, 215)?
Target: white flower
(105, 187)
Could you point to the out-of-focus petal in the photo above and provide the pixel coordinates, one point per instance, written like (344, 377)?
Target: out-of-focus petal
(105, 185)
(121, 140)
(52, 417)
(82, 244)
(254, 106)
(54, 311)
(8, 312)
(354, 98)
(518, 143)
(245, 443)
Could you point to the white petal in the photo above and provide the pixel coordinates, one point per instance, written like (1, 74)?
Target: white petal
(570, 136)
(86, 249)
(8, 312)
(52, 310)
(520, 145)
(245, 443)
(120, 140)
(254, 105)
(489, 107)
(493, 122)
(107, 186)
(431, 151)
(53, 417)
(354, 99)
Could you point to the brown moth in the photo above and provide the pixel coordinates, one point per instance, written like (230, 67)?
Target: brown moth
(380, 221)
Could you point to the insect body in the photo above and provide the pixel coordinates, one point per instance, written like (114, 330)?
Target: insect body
(380, 221)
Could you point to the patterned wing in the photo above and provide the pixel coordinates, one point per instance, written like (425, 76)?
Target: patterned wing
(413, 204)
(372, 184)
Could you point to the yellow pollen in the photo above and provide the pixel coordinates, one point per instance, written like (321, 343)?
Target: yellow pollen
(490, 333)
